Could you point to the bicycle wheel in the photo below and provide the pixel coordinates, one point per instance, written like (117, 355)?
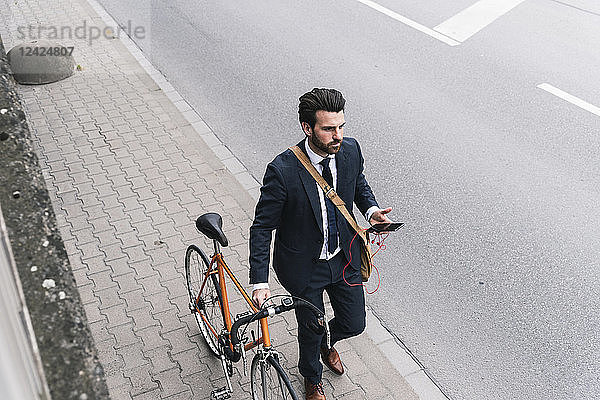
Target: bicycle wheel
(268, 380)
(208, 303)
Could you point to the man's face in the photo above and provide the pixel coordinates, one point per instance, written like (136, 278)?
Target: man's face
(326, 138)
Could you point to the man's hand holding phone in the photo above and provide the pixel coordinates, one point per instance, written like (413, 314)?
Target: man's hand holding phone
(380, 217)
(380, 223)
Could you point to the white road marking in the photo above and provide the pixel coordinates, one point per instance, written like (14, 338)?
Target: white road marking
(473, 19)
(570, 98)
(411, 23)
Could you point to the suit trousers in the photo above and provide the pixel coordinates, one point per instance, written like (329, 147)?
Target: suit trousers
(348, 303)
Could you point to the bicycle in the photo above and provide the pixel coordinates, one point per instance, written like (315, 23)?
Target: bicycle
(209, 302)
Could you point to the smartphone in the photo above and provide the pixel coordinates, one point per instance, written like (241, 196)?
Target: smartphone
(385, 227)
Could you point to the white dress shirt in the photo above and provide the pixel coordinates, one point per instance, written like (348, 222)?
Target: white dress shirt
(326, 254)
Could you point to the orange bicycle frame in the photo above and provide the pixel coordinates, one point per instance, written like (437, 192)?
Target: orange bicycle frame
(220, 269)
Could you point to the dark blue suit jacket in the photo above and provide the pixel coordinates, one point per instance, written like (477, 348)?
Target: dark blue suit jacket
(289, 204)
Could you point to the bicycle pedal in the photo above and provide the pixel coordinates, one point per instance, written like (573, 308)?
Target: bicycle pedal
(220, 394)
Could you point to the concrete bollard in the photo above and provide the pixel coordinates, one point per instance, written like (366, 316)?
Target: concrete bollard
(40, 61)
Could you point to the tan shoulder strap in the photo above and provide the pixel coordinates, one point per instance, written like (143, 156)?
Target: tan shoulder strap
(328, 190)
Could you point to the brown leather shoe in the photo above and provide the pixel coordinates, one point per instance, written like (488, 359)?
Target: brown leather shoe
(314, 391)
(331, 358)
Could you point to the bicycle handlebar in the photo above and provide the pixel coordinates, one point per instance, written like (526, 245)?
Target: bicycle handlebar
(287, 304)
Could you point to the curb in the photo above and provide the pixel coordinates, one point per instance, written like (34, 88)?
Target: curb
(406, 364)
(403, 360)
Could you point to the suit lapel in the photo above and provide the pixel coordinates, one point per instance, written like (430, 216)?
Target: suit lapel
(310, 186)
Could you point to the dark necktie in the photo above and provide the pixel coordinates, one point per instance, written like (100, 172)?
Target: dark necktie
(331, 222)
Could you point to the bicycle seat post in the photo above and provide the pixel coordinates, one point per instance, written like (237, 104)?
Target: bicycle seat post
(217, 246)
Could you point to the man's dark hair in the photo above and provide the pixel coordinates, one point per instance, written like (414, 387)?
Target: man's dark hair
(319, 99)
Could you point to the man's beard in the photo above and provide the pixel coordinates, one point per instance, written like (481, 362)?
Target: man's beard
(326, 147)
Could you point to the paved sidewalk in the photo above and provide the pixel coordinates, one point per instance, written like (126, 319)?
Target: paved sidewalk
(129, 171)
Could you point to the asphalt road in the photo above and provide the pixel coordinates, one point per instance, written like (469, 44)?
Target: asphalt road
(494, 283)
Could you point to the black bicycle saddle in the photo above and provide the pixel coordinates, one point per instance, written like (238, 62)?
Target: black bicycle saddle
(211, 225)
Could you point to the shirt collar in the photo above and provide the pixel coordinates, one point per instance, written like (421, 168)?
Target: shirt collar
(314, 157)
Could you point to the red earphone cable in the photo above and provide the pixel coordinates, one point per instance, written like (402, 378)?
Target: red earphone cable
(382, 246)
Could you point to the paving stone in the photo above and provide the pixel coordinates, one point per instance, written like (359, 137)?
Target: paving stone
(369, 383)
(92, 312)
(114, 251)
(159, 217)
(151, 337)
(141, 381)
(90, 250)
(179, 340)
(200, 385)
(160, 302)
(107, 350)
(107, 160)
(170, 382)
(342, 385)
(100, 224)
(124, 192)
(143, 268)
(165, 193)
(151, 205)
(169, 321)
(150, 240)
(139, 182)
(142, 318)
(132, 357)
(144, 193)
(160, 256)
(151, 284)
(102, 280)
(108, 237)
(91, 199)
(133, 203)
(110, 200)
(119, 385)
(134, 300)
(354, 364)
(98, 179)
(129, 239)
(115, 316)
(138, 216)
(108, 297)
(122, 225)
(160, 360)
(176, 286)
(71, 247)
(126, 282)
(189, 362)
(120, 266)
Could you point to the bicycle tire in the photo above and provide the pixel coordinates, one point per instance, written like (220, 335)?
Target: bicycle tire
(208, 313)
(268, 380)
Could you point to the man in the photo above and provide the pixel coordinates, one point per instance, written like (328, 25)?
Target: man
(312, 240)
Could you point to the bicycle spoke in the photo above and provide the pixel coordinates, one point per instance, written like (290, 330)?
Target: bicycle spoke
(205, 295)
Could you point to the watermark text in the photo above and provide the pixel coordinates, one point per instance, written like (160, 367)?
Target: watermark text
(82, 32)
